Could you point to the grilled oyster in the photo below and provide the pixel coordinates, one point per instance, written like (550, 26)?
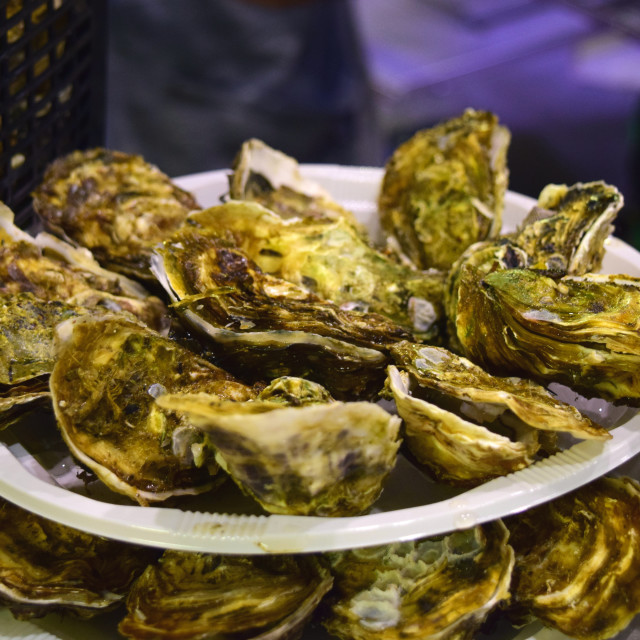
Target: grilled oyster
(565, 233)
(51, 269)
(325, 459)
(113, 203)
(264, 324)
(333, 261)
(466, 425)
(578, 561)
(46, 566)
(444, 188)
(197, 595)
(268, 176)
(581, 331)
(103, 384)
(442, 587)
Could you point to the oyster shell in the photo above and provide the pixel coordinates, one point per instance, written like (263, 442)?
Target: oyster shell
(438, 588)
(466, 425)
(444, 188)
(46, 566)
(197, 595)
(325, 459)
(265, 175)
(264, 324)
(566, 232)
(333, 261)
(582, 331)
(51, 269)
(113, 203)
(577, 559)
(103, 385)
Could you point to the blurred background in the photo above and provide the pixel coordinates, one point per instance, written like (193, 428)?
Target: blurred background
(346, 81)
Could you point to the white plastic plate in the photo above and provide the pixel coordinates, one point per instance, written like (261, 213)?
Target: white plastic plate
(37, 472)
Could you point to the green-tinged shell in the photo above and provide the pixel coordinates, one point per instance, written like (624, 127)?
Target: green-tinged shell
(21, 400)
(294, 392)
(566, 232)
(582, 331)
(48, 567)
(195, 595)
(578, 560)
(325, 459)
(113, 203)
(333, 261)
(464, 388)
(265, 326)
(444, 189)
(268, 176)
(454, 449)
(103, 384)
(434, 588)
(51, 269)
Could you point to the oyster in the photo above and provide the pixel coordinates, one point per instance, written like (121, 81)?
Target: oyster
(46, 566)
(466, 425)
(51, 269)
(578, 561)
(444, 188)
(582, 331)
(263, 325)
(268, 176)
(103, 385)
(565, 233)
(333, 261)
(325, 459)
(113, 203)
(442, 587)
(196, 595)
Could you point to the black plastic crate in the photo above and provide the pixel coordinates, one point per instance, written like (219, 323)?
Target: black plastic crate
(52, 89)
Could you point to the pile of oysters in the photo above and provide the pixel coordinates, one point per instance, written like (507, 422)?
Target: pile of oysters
(180, 347)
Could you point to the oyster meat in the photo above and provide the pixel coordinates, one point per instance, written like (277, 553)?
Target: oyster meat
(444, 188)
(442, 587)
(195, 595)
(466, 425)
(113, 203)
(331, 260)
(267, 326)
(318, 458)
(578, 560)
(107, 373)
(46, 566)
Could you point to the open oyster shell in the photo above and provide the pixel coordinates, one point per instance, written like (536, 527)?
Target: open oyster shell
(264, 324)
(434, 588)
(197, 595)
(325, 459)
(113, 203)
(578, 560)
(107, 373)
(46, 566)
(444, 188)
(331, 260)
(268, 176)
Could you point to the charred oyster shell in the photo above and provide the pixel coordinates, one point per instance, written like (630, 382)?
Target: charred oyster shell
(577, 559)
(107, 374)
(46, 566)
(444, 188)
(331, 260)
(438, 588)
(325, 459)
(197, 595)
(264, 324)
(466, 425)
(113, 203)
